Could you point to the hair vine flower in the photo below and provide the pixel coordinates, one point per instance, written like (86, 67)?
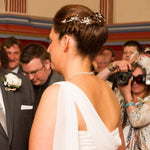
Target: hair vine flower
(85, 20)
(11, 82)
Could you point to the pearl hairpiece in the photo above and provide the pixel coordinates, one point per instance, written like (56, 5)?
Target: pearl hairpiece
(86, 20)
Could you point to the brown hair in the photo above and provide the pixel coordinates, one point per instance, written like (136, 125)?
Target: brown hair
(3, 58)
(34, 50)
(10, 41)
(135, 44)
(109, 49)
(89, 37)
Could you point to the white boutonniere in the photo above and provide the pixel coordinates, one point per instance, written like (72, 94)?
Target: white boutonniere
(11, 82)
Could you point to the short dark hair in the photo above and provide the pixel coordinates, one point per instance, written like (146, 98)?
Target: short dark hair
(3, 58)
(34, 50)
(10, 41)
(109, 49)
(135, 44)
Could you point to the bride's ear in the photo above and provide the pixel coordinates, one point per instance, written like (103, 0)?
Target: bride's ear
(66, 42)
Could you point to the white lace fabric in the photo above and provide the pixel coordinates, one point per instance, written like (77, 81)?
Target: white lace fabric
(66, 131)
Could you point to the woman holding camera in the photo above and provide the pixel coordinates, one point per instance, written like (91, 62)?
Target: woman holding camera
(135, 107)
(134, 99)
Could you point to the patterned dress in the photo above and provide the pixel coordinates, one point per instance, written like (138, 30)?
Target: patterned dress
(137, 125)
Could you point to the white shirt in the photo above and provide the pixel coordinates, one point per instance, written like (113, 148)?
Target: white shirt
(1, 100)
(16, 70)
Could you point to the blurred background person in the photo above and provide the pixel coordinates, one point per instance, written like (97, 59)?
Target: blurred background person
(16, 108)
(3, 59)
(131, 51)
(13, 47)
(109, 53)
(129, 48)
(36, 65)
(102, 62)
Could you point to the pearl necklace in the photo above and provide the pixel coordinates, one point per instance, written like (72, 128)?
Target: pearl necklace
(78, 73)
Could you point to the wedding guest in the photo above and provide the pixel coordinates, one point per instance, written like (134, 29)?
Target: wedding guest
(13, 48)
(134, 100)
(102, 62)
(86, 109)
(3, 59)
(131, 50)
(16, 110)
(108, 53)
(36, 65)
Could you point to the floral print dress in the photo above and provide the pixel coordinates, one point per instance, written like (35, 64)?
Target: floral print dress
(137, 127)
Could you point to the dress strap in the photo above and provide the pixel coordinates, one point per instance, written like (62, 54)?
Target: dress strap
(67, 121)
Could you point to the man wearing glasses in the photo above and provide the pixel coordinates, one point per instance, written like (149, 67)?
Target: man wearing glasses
(35, 61)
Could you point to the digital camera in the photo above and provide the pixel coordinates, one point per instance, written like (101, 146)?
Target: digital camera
(123, 77)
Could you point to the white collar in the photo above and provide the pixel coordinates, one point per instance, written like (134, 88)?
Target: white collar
(16, 70)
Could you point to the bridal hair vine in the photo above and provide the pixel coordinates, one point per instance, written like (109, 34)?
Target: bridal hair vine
(85, 20)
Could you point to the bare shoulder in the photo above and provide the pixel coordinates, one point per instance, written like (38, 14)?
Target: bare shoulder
(108, 106)
(48, 105)
(106, 89)
(51, 91)
(45, 119)
(109, 98)
(49, 98)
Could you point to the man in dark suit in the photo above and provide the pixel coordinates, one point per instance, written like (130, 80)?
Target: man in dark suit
(16, 101)
(35, 61)
(13, 47)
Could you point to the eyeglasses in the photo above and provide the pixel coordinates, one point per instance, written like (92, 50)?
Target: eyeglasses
(139, 79)
(34, 73)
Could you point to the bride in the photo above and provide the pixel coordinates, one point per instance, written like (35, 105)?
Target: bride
(81, 112)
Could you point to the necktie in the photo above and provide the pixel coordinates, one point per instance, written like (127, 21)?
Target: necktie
(3, 118)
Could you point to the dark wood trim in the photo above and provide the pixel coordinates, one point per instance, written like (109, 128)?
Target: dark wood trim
(106, 8)
(110, 12)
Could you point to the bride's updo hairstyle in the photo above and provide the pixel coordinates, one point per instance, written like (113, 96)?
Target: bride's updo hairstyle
(87, 27)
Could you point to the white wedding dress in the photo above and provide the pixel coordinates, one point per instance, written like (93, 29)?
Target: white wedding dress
(67, 136)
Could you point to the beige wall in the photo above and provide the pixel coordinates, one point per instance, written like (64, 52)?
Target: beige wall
(125, 11)
(2, 7)
(48, 8)
(129, 11)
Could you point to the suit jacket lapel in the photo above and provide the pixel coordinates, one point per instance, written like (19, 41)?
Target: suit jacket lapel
(8, 98)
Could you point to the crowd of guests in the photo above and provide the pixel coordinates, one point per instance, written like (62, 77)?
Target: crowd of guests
(53, 97)
(130, 83)
(32, 65)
